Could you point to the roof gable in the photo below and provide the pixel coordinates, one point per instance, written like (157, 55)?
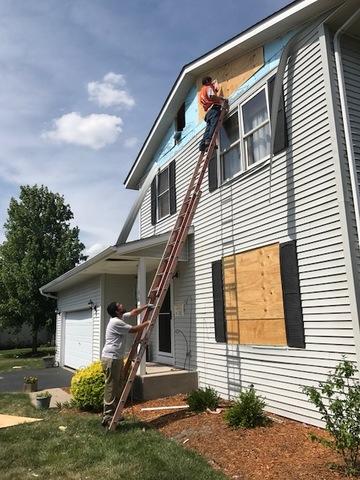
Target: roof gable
(291, 16)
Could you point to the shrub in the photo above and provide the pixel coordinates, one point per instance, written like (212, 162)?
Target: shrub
(247, 411)
(341, 412)
(87, 387)
(202, 398)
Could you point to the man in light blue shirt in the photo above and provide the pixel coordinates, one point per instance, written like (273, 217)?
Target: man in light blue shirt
(112, 356)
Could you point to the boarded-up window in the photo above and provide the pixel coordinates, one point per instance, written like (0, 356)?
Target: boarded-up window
(253, 294)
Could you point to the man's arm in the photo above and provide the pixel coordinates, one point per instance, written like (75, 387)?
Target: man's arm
(136, 311)
(140, 327)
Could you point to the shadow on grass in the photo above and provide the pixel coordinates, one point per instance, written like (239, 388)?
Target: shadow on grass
(27, 353)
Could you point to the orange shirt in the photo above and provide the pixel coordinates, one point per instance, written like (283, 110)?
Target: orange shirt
(205, 96)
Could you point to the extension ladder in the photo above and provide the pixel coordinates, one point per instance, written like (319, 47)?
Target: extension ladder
(166, 268)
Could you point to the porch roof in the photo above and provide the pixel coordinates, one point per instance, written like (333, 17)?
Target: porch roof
(116, 260)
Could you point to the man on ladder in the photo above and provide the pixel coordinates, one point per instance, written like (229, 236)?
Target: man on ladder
(112, 357)
(212, 103)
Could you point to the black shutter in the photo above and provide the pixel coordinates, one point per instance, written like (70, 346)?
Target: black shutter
(172, 187)
(281, 133)
(213, 173)
(218, 298)
(291, 295)
(153, 201)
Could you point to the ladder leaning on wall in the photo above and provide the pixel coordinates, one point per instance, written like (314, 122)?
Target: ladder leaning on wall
(167, 267)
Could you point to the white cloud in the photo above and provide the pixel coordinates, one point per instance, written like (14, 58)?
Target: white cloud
(131, 142)
(106, 93)
(94, 131)
(95, 249)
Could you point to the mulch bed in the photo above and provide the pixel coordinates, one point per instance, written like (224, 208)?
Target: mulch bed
(282, 451)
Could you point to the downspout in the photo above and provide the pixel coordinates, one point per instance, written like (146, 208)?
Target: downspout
(346, 118)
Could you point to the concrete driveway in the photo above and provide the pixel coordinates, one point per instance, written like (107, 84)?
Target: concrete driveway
(47, 378)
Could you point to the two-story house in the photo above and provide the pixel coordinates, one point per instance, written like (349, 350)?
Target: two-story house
(267, 289)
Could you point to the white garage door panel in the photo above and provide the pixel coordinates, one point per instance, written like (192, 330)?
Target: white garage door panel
(78, 339)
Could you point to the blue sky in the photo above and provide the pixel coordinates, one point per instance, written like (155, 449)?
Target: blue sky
(81, 84)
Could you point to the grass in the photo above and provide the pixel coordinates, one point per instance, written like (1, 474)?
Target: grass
(22, 357)
(85, 452)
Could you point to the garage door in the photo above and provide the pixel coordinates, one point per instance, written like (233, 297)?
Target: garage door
(78, 339)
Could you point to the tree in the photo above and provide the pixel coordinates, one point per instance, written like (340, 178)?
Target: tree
(39, 246)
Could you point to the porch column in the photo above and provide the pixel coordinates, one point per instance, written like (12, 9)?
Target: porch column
(141, 300)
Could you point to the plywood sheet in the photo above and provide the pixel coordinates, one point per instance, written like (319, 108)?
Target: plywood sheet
(254, 308)
(11, 420)
(230, 299)
(262, 332)
(259, 288)
(233, 74)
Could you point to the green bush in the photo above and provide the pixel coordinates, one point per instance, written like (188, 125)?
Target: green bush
(202, 398)
(341, 413)
(247, 411)
(87, 387)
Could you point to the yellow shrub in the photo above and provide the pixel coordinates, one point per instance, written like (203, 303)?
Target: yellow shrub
(87, 387)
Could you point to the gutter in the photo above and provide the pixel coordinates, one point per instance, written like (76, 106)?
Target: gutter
(346, 118)
(49, 295)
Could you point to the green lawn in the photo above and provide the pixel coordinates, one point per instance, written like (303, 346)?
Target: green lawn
(22, 357)
(85, 452)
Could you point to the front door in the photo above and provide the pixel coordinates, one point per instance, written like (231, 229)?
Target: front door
(165, 331)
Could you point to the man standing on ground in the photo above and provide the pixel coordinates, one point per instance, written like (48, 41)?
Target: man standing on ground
(212, 103)
(112, 357)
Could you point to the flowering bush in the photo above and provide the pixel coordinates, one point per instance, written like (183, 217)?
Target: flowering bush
(87, 387)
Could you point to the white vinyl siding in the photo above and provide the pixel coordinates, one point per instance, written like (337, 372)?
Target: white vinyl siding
(241, 215)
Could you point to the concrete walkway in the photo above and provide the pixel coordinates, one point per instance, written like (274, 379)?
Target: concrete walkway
(58, 395)
(55, 377)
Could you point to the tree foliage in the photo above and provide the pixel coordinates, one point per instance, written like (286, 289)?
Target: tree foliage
(39, 246)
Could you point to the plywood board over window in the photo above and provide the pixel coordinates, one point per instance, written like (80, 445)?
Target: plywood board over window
(253, 297)
(233, 74)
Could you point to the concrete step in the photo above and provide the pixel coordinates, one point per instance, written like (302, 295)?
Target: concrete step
(164, 384)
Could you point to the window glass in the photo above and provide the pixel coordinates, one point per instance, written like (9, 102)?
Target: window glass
(258, 144)
(163, 181)
(230, 147)
(255, 112)
(230, 131)
(163, 205)
(230, 162)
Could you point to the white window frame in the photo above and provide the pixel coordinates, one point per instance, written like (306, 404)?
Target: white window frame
(244, 167)
(241, 122)
(231, 146)
(163, 193)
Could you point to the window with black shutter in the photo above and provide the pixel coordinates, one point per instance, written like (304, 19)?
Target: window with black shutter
(245, 136)
(163, 194)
